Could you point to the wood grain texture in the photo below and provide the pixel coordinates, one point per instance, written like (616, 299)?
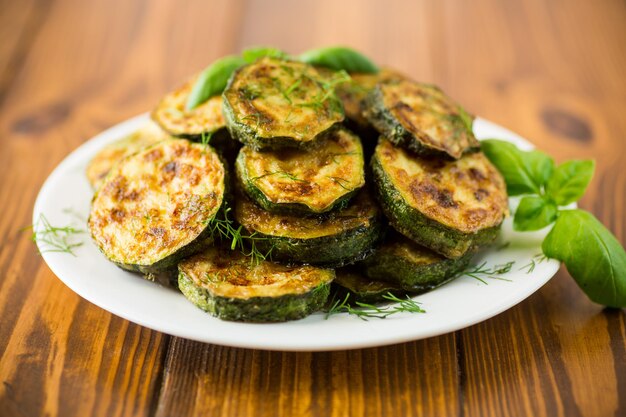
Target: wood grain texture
(411, 379)
(552, 71)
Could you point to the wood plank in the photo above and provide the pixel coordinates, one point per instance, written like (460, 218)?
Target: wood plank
(60, 355)
(19, 24)
(557, 354)
(551, 71)
(411, 379)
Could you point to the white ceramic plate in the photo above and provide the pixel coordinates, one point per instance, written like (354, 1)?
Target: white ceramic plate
(66, 195)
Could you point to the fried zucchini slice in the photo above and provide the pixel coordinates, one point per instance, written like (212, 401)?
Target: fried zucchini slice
(354, 92)
(307, 182)
(175, 119)
(103, 161)
(351, 282)
(226, 284)
(409, 266)
(338, 238)
(421, 118)
(155, 206)
(274, 103)
(451, 207)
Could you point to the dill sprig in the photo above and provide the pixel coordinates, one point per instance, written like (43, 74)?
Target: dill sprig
(339, 181)
(225, 230)
(536, 260)
(365, 311)
(327, 89)
(205, 138)
(281, 173)
(334, 155)
(51, 238)
(481, 271)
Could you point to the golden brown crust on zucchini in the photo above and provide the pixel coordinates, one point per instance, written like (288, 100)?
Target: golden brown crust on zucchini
(468, 194)
(175, 119)
(101, 164)
(316, 179)
(275, 103)
(227, 273)
(420, 117)
(157, 201)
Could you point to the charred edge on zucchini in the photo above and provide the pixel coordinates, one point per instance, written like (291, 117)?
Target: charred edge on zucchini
(155, 207)
(225, 284)
(274, 103)
(420, 118)
(306, 182)
(410, 266)
(451, 207)
(351, 282)
(353, 93)
(335, 239)
(176, 120)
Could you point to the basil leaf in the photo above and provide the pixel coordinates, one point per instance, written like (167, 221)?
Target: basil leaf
(339, 58)
(524, 172)
(540, 166)
(534, 213)
(592, 255)
(252, 54)
(212, 80)
(569, 181)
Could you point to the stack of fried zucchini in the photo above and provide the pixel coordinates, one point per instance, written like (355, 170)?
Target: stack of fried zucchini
(285, 161)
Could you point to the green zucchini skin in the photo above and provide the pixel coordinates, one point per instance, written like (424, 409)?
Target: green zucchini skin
(421, 118)
(290, 181)
(259, 112)
(410, 266)
(354, 92)
(336, 239)
(200, 282)
(352, 283)
(154, 207)
(450, 240)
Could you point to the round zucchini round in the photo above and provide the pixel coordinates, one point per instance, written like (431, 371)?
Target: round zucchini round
(101, 164)
(352, 283)
(335, 239)
(421, 118)
(450, 207)
(175, 119)
(226, 284)
(412, 267)
(154, 207)
(305, 182)
(274, 103)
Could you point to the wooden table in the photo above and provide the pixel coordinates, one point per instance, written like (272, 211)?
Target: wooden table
(552, 71)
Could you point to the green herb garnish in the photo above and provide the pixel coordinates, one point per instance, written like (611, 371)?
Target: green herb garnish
(327, 90)
(366, 311)
(51, 238)
(339, 58)
(593, 256)
(481, 271)
(252, 54)
(213, 80)
(536, 260)
(205, 138)
(223, 228)
(283, 174)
